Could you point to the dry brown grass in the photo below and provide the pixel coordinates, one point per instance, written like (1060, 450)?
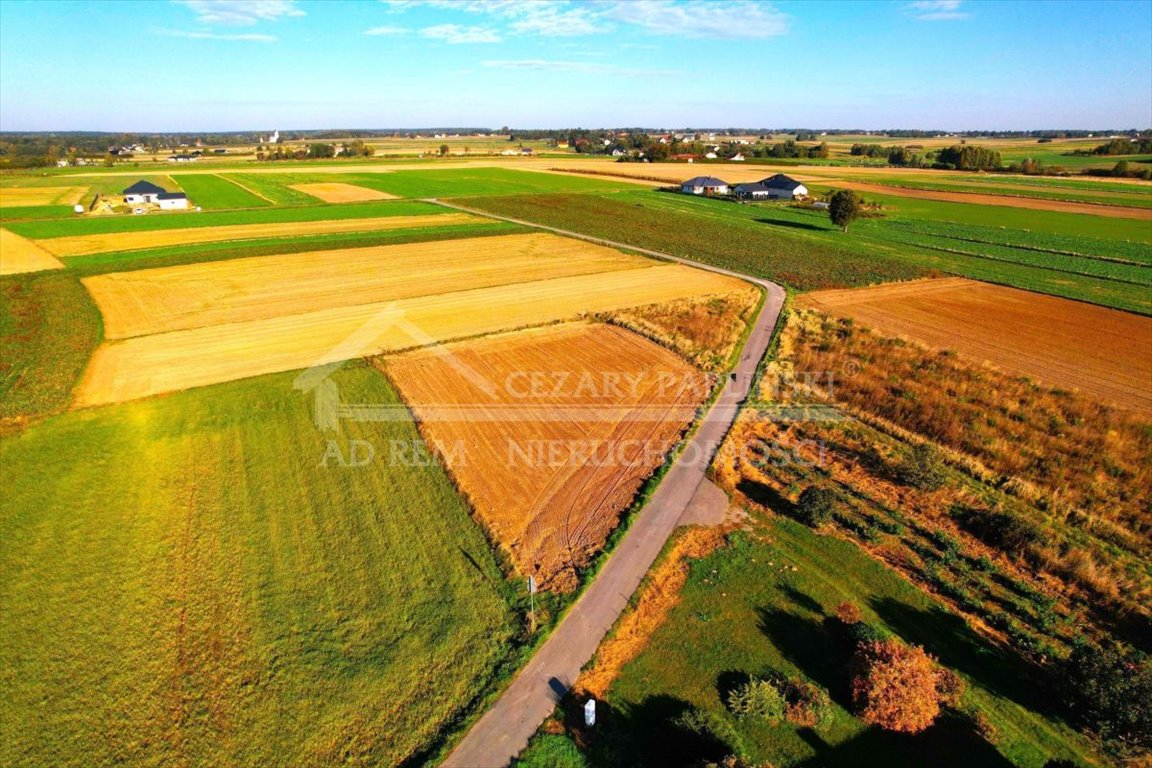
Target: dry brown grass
(341, 193)
(660, 595)
(549, 468)
(704, 330)
(18, 255)
(80, 245)
(1102, 352)
(242, 290)
(1059, 449)
(17, 197)
(167, 362)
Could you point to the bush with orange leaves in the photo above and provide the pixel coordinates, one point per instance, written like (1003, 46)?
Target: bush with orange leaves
(895, 686)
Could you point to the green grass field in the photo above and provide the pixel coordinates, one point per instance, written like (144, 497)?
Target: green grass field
(49, 326)
(455, 182)
(1070, 255)
(217, 192)
(185, 584)
(111, 224)
(30, 212)
(745, 611)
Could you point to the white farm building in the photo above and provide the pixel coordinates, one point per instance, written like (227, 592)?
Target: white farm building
(704, 185)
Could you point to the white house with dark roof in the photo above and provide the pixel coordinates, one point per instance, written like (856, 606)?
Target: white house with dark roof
(781, 187)
(704, 185)
(147, 192)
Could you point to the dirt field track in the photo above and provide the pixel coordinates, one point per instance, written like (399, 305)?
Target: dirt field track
(241, 290)
(549, 463)
(17, 197)
(18, 254)
(80, 245)
(166, 362)
(342, 193)
(1104, 353)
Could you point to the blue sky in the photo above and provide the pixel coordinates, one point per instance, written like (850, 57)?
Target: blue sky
(201, 65)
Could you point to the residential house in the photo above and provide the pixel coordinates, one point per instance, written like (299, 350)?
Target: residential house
(783, 187)
(704, 185)
(172, 201)
(143, 192)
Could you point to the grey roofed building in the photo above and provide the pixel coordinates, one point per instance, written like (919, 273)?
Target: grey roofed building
(144, 188)
(704, 181)
(171, 196)
(780, 181)
(753, 190)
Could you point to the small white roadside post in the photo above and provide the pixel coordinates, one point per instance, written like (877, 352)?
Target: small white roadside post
(590, 713)
(532, 601)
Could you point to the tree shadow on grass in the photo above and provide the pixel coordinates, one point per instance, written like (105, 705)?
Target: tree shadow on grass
(766, 496)
(644, 734)
(997, 669)
(951, 742)
(792, 224)
(812, 648)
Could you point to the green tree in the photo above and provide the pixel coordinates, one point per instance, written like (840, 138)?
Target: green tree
(844, 207)
(1111, 693)
(443, 150)
(815, 506)
(759, 699)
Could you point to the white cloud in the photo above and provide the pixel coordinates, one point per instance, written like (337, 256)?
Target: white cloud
(584, 67)
(386, 31)
(937, 10)
(456, 34)
(247, 37)
(700, 18)
(240, 12)
(748, 19)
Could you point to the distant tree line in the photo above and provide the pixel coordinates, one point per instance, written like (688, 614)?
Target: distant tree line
(1124, 147)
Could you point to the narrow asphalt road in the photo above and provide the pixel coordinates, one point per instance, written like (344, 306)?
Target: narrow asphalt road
(504, 730)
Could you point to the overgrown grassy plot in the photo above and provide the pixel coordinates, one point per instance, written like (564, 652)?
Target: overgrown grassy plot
(184, 583)
(763, 604)
(800, 254)
(1071, 255)
(49, 327)
(212, 192)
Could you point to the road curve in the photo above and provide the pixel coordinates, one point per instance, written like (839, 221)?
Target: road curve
(504, 730)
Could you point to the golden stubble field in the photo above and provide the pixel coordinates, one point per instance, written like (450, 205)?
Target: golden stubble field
(152, 301)
(18, 255)
(245, 328)
(341, 193)
(550, 432)
(1102, 352)
(82, 245)
(19, 197)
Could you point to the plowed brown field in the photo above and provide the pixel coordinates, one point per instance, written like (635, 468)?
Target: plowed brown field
(18, 254)
(550, 432)
(80, 245)
(1104, 353)
(240, 290)
(342, 193)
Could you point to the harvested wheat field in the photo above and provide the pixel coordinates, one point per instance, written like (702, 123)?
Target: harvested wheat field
(550, 432)
(82, 245)
(19, 197)
(167, 362)
(18, 254)
(341, 193)
(1102, 352)
(240, 290)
